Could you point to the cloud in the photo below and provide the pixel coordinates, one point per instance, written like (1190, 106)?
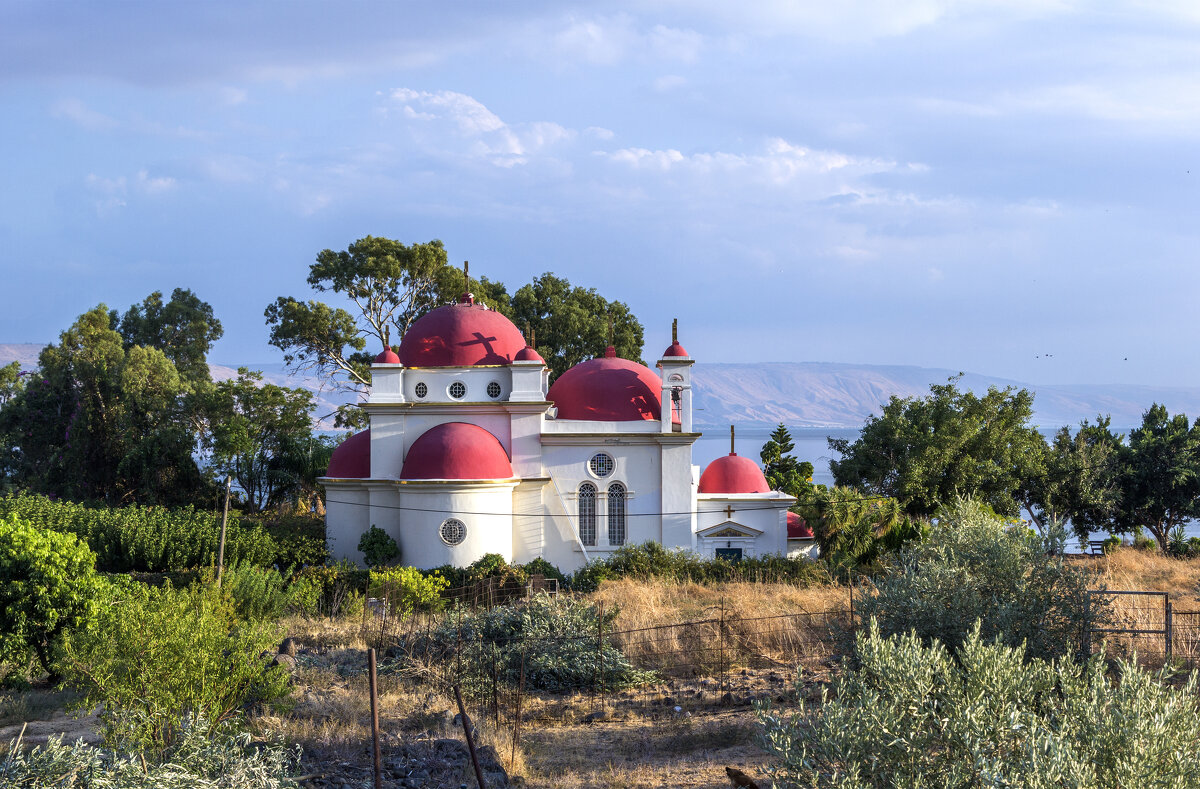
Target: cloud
(80, 114)
(609, 40)
(669, 82)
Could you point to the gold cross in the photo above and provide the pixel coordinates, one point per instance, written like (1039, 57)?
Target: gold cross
(729, 511)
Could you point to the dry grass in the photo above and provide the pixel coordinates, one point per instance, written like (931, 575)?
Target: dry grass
(1152, 572)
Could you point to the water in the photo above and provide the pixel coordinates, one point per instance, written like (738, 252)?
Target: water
(811, 444)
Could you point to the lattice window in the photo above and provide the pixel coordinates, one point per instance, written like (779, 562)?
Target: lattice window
(493, 390)
(422, 389)
(453, 531)
(616, 514)
(601, 464)
(587, 513)
(458, 390)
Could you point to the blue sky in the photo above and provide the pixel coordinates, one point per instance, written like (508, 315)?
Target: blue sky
(1010, 188)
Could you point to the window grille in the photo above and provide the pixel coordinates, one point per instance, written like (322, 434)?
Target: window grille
(458, 390)
(493, 390)
(601, 464)
(616, 514)
(453, 531)
(587, 513)
(422, 389)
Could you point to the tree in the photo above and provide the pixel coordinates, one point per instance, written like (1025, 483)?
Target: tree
(252, 428)
(99, 421)
(572, 323)
(1078, 479)
(11, 382)
(184, 329)
(1160, 479)
(925, 451)
(783, 471)
(852, 528)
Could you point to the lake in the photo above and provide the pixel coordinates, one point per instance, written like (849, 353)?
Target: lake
(812, 445)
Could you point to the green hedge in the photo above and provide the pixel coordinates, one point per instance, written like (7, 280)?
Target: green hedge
(651, 560)
(147, 539)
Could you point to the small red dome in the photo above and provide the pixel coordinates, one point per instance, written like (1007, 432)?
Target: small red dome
(351, 459)
(733, 474)
(797, 528)
(608, 389)
(387, 357)
(456, 450)
(460, 335)
(675, 350)
(528, 354)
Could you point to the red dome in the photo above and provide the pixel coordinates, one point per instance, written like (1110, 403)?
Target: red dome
(456, 450)
(607, 389)
(797, 528)
(352, 458)
(675, 350)
(733, 474)
(528, 354)
(460, 335)
(387, 357)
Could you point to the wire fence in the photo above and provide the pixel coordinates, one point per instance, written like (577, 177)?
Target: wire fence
(1144, 626)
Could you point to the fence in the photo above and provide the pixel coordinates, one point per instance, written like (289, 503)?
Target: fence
(1144, 624)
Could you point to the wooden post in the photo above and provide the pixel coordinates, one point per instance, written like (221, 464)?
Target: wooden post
(466, 724)
(224, 522)
(374, 716)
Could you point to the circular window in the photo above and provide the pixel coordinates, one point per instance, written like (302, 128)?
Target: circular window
(601, 464)
(458, 390)
(493, 390)
(422, 389)
(453, 531)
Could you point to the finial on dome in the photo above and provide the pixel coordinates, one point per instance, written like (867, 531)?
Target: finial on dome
(467, 297)
(674, 330)
(610, 352)
(732, 451)
(532, 338)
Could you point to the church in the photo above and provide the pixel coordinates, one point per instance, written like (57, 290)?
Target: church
(472, 450)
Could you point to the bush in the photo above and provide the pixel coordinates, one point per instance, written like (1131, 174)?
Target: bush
(377, 547)
(540, 566)
(975, 567)
(158, 655)
(556, 636)
(915, 715)
(652, 560)
(406, 590)
(330, 590)
(47, 588)
(225, 761)
(1110, 544)
(255, 593)
(147, 539)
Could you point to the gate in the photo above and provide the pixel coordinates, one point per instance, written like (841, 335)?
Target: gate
(1140, 623)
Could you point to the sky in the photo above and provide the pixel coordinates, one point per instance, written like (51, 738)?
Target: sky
(1010, 188)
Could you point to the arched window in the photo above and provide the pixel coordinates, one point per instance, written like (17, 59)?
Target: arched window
(616, 514)
(587, 513)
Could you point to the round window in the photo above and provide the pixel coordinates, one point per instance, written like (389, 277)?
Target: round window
(458, 390)
(493, 390)
(453, 531)
(421, 389)
(601, 464)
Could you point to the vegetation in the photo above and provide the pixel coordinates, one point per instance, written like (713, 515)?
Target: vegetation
(158, 655)
(853, 529)
(784, 471)
(915, 713)
(147, 539)
(652, 560)
(1160, 475)
(47, 588)
(925, 451)
(406, 590)
(377, 547)
(224, 759)
(976, 568)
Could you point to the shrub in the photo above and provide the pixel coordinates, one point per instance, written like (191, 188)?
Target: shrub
(331, 590)
(158, 655)
(540, 566)
(1110, 544)
(557, 637)
(377, 547)
(975, 567)
(224, 761)
(147, 539)
(911, 714)
(406, 590)
(47, 588)
(256, 593)
(652, 560)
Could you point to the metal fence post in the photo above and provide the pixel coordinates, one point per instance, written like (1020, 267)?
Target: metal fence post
(1169, 627)
(600, 650)
(1085, 641)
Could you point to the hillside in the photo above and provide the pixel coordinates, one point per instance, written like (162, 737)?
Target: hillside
(815, 394)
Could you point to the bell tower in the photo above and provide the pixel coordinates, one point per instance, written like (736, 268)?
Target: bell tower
(676, 366)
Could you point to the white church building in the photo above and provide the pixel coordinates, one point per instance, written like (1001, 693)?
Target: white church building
(471, 450)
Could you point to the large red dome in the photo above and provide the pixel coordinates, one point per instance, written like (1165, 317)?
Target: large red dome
(351, 459)
(797, 529)
(733, 474)
(460, 335)
(456, 450)
(607, 389)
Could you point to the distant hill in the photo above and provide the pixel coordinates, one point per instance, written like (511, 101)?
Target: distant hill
(813, 394)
